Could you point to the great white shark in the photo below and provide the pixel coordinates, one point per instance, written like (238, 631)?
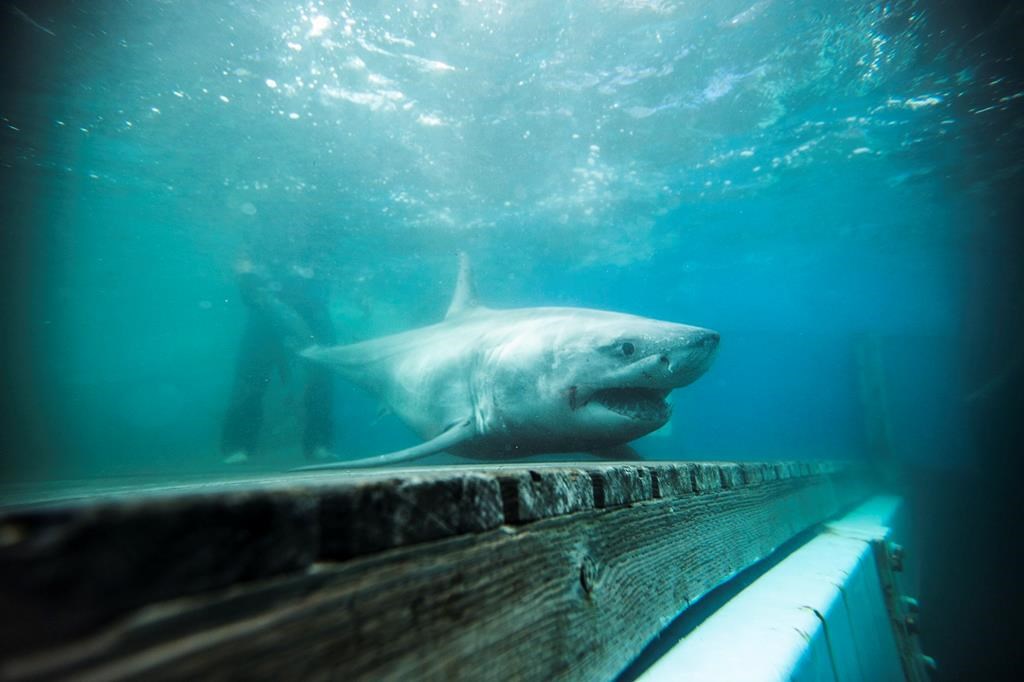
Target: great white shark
(497, 384)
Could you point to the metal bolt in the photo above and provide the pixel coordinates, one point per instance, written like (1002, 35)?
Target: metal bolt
(11, 534)
(911, 604)
(929, 663)
(896, 556)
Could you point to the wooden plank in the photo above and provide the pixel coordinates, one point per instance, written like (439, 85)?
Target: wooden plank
(669, 479)
(94, 562)
(705, 477)
(65, 570)
(619, 484)
(732, 475)
(874, 396)
(572, 596)
(537, 493)
(368, 516)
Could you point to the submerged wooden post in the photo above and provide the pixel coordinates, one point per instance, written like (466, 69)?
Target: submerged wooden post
(522, 572)
(874, 400)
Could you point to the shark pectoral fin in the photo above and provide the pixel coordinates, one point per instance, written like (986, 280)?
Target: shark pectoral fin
(458, 432)
(624, 452)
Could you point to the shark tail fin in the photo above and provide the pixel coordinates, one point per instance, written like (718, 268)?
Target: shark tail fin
(455, 434)
(464, 298)
(349, 361)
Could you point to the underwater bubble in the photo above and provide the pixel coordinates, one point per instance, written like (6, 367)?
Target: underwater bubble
(320, 23)
(248, 208)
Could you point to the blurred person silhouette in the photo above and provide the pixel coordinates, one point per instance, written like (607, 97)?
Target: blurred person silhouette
(287, 310)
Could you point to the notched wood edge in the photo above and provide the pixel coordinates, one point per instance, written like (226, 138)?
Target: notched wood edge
(732, 475)
(616, 485)
(374, 515)
(535, 493)
(670, 479)
(705, 477)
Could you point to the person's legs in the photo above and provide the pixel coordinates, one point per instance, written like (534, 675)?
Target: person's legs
(257, 355)
(316, 439)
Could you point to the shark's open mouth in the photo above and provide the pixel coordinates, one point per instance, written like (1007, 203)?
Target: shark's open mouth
(637, 403)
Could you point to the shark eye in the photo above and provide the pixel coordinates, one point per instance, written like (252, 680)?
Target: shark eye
(628, 348)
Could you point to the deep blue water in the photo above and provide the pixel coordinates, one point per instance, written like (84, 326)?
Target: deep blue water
(804, 177)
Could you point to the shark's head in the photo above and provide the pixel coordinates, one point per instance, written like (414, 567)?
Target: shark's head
(593, 377)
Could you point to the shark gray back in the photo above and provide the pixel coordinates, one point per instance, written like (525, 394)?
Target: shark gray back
(505, 383)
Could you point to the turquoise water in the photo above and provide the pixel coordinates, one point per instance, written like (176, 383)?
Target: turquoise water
(819, 181)
(804, 178)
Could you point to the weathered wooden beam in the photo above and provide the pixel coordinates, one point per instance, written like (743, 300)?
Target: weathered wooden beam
(66, 570)
(545, 571)
(363, 517)
(542, 492)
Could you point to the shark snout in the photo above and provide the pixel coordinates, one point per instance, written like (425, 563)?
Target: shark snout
(706, 339)
(694, 356)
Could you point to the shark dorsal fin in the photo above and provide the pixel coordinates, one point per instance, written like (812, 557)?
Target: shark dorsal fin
(464, 299)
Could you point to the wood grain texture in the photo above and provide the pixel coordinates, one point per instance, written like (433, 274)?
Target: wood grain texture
(504, 583)
(619, 484)
(369, 516)
(669, 479)
(66, 570)
(537, 493)
(705, 477)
